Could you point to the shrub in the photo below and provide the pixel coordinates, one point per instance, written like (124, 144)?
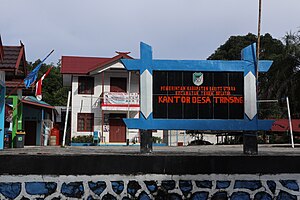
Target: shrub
(156, 139)
(83, 139)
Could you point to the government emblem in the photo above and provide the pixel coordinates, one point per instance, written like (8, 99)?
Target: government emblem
(197, 78)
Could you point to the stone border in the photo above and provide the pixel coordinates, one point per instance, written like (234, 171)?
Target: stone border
(151, 186)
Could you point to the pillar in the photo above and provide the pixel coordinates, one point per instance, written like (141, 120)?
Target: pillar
(250, 145)
(146, 141)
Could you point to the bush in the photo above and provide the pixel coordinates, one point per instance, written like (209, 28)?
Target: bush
(156, 139)
(83, 139)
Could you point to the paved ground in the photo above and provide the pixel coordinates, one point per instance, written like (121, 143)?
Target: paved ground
(212, 150)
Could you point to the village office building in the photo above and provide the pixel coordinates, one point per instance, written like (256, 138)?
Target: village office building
(103, 93)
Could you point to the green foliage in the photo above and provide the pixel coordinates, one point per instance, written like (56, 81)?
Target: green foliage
(231, 50)
(283, 78)
(83, 139)
(270, 48)
(156, 139)
(52, 90)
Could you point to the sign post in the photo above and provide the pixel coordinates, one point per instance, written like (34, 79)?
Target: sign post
(146, 141)
(250, 143)
(203, 95)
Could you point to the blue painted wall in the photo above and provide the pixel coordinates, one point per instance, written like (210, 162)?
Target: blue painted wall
(2, 113)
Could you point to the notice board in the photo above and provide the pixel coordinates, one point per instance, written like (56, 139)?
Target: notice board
(198, 95)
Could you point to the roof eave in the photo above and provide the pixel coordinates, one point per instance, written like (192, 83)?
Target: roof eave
(19, 60)
(105, 66)
(37, 104)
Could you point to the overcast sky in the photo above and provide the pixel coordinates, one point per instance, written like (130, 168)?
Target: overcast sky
(176, 29)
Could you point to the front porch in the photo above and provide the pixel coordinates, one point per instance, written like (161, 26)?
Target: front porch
(114, 107)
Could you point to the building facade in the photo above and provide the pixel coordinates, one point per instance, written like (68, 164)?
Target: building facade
(103, 93)
(13, 70)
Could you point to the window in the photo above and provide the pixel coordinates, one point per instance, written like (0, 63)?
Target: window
(85, 122)
(85, 85)
(118, 84)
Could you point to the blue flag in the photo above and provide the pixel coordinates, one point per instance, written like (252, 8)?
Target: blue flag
(32, 76)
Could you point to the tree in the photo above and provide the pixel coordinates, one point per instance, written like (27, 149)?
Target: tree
(283, 77)
(53, 91)
(231, 50)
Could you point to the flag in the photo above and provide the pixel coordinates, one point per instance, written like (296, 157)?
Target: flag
(38, 85)
(32, 76)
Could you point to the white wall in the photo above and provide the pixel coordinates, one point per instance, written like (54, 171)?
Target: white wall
(91, 103)
(83, 103)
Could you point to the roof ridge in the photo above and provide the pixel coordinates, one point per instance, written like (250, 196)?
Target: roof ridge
(85, 64)
(113, 59)
(87, 57)
(125, 52)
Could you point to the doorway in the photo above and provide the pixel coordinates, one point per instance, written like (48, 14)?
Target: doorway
(30, 136)
(117, 128)
(118, 84)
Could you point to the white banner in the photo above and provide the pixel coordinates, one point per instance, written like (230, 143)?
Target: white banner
(121, 98)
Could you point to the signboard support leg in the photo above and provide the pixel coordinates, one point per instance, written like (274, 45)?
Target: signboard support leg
(146, 141)
(250, 145)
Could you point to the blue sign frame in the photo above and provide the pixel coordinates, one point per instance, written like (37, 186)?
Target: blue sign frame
(146, 64)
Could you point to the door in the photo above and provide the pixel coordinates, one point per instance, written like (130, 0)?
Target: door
(117, 128)
(30, 130)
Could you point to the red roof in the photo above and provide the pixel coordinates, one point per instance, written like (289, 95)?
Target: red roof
(84, 65)
(79, 65)
(15, 83)
(282, 125)
(12, 59)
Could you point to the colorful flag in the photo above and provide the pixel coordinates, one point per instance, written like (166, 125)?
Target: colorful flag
(32, 76)
(38, 85)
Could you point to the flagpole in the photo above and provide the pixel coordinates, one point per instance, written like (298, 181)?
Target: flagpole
(257, 55)
(258, 39)
(66, 119)
(32, 76)
(290, 121)
(20, 83)
(250, 141)
(47, 56)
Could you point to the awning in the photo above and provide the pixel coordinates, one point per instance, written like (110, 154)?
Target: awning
(282, 125)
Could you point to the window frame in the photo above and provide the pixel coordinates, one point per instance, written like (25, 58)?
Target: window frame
(86, 85)
(87, 118)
